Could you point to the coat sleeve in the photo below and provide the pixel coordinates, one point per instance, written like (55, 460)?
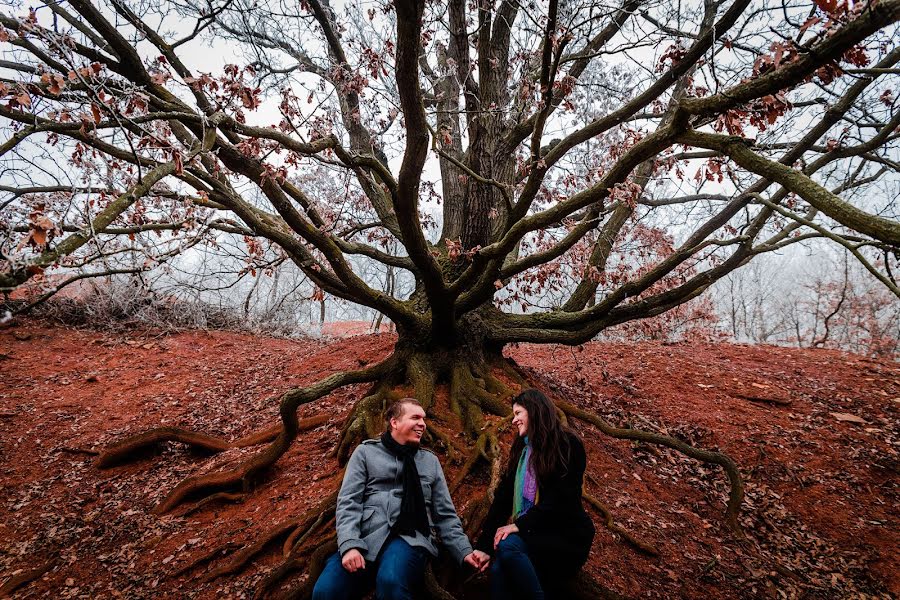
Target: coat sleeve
(498, 515)
(349, 508)
(563, 492)
(445, 518)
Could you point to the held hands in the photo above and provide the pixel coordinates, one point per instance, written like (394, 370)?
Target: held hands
(353, 561)
(478, 560)
(503, 532)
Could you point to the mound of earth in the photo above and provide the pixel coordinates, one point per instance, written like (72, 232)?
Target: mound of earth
(815, 433)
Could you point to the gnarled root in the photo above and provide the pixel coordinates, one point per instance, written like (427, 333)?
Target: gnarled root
(736, 495)
(242, 558)
(473, 386)
(433, 588)
(476, 512)
(447, 439)
(297, 560)
(316, 564)
(486, 447)
(235, 498)
(218, 552)
(126, 449)
(584, 587)
(364, 420)
(24, 578)
(612, 526)
(243, 474)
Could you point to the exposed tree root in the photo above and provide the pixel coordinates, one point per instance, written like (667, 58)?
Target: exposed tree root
(460, 390)
(364, 420)
(243, 474)
(301, 528)
(303, 590)
(123, 450)
(736, 495)
(433, 588)
(126, 449)
(278, 574)
(24, 578)
(645, 547)
(240, 559)
(474, 388)
(70, 450)
(486, 447)
(235, 498)
(477, 510)
(300, 533)
(584, 587)
(268, 434)
(218, 552)
(314, 518)
(447, 439)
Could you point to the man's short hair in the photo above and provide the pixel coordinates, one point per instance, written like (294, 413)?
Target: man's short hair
(395, 409)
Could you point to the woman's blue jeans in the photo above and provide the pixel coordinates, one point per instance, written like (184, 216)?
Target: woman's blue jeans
(513, 576)
(397, 574)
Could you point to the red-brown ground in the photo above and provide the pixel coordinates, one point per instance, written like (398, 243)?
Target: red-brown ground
(821, 513)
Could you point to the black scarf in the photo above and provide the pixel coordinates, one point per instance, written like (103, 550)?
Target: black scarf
(412, 508)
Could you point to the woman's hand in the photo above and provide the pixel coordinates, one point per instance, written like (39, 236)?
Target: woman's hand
(478, 560)
(503, 532)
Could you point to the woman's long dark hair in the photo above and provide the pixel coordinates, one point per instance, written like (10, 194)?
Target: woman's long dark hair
(548, 438)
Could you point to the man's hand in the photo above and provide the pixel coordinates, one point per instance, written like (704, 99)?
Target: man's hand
(478, 560)
(503, 532)
(353, 561)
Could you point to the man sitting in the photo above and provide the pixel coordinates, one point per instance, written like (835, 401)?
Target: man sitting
(393, 498)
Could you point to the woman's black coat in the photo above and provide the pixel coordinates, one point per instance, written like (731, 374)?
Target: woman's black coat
(557, 530)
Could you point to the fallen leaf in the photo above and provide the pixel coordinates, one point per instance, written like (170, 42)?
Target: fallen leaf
(848, 418)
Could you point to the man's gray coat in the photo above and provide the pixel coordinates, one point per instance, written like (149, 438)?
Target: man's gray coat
(368, 504)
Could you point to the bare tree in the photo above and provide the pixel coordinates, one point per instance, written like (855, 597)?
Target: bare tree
(560, 134)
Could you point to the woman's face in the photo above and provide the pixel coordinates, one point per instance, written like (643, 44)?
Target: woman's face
(520, 419)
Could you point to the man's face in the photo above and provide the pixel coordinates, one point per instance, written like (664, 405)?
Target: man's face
(409, 427)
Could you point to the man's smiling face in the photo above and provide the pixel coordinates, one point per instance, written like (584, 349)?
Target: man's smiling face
(409, 427)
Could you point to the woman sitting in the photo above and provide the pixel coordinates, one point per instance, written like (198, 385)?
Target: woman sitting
(549, 536)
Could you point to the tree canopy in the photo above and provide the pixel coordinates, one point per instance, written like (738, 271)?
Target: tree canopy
(559, 142)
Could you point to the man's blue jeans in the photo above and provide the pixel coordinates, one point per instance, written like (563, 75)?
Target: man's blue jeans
(398, 573)
(513, 576)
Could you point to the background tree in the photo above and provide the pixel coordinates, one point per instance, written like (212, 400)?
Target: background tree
(612, 163)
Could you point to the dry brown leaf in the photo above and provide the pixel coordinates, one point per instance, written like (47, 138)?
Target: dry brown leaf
(848, 418)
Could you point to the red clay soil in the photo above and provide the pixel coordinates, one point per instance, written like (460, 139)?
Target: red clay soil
(821, 514)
